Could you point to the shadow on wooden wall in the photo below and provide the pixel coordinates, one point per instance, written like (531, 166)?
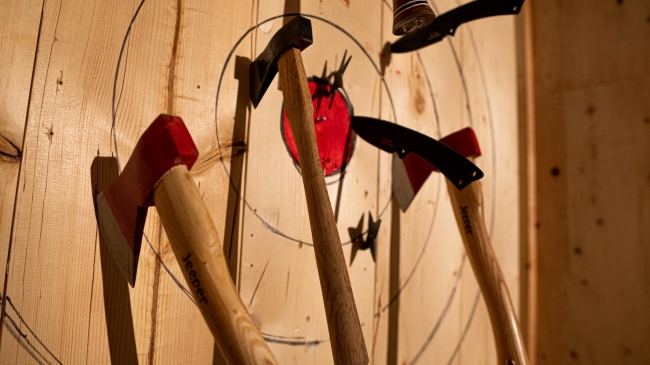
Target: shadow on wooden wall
(231, 244)
(117, 304)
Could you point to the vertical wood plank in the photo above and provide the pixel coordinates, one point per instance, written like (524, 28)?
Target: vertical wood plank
(528, 180)
(592, 129)
(19, 28)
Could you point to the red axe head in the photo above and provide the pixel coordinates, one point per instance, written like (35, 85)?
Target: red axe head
(410, 173)
(122, 207)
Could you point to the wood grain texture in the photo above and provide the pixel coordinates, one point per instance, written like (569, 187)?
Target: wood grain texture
(469, 211)
(346, 337)
(592, 132)
(195, 242)
(69, 124)
(19, 30)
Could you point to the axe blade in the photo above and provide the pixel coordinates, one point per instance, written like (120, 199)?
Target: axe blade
(409, 174)
(125, 256)
(122, 207)
(294, 34)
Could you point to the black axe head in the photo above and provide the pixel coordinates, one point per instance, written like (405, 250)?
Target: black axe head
(295, 34)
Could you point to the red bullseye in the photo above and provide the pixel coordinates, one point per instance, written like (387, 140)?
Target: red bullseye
(335, 138)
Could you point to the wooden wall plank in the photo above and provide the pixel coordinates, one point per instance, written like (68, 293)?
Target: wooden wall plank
(527, 176)
(384, 348)
(18, 40)
(591, 93)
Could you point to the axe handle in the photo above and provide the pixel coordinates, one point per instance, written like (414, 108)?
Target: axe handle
(346, 337)
(195, 242)
(468, 209)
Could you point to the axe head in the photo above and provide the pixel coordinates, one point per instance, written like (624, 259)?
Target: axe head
(294, 34)
(122, 207)
(410, 173)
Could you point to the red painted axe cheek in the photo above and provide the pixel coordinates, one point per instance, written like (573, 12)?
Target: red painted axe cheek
(187, 153)
(418, 170)
(165, 144)
(464, 142)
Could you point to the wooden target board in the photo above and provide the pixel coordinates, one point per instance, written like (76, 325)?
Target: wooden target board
(94, 74)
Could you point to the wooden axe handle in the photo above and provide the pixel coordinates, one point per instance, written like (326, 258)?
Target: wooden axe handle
(197, 247)
(348, 346)
(468, 209)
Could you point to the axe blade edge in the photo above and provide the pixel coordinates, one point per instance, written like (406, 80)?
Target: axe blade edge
(115, 240)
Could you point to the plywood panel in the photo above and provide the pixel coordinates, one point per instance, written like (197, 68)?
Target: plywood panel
(418, 302)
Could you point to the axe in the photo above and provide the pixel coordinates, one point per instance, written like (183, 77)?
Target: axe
(419, 155)
(158, 174)
(419, 149)
(468, 209)
(283, 55)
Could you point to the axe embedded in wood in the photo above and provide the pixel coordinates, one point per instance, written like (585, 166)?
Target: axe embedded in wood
(157, 174)
(468, 210)
(282, 55)
(415, 157)
(419, 155)
(405, 142)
